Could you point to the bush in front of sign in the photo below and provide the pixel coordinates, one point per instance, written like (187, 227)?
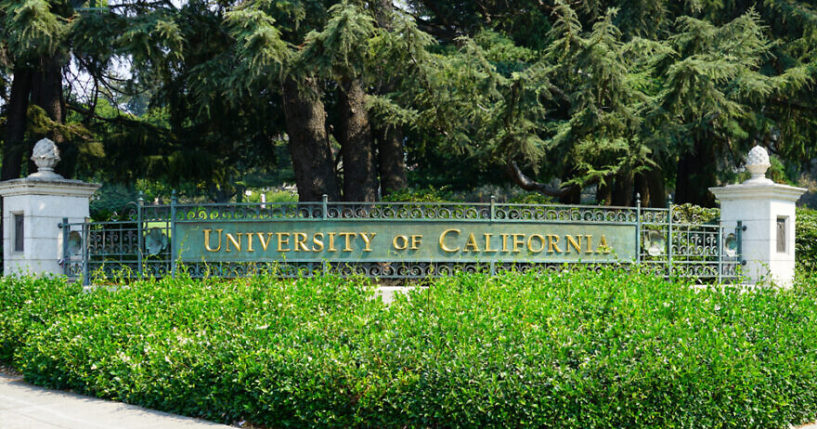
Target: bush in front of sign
(607, 349)
(580, 348)
(28, 302)
(805, 241)
(213, 348)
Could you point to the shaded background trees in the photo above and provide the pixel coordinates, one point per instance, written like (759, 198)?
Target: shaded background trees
(359, 99)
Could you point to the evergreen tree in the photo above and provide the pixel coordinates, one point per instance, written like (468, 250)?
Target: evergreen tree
(675, 90)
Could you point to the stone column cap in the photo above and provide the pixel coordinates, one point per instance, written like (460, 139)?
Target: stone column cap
(47, 186)
(758, 190)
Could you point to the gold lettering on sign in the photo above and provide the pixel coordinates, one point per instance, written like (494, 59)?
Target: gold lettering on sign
(249, 242)
(553, 241)
(282, 242)
(299, 241)
(400, 242)
(231, 239)
(367, 240)
(317, 240)
(415, 241)
(571, 242)
(264, 244)
(207, 240)
(348, 236)
(488, 244)
(518, 242)
(451, 240)
(445, 248)
(541, 247)
(603, 246)
(471, 243)
(332, 242)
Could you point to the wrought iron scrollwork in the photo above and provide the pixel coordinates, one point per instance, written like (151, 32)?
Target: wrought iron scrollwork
(673, 242)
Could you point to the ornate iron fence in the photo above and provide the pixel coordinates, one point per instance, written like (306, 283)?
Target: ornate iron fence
(666, 242)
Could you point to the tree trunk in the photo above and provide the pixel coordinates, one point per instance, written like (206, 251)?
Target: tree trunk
(604, 192)
(392, 162)
(14, 139)
(359, 171)
(571, 195)
(657, 190)
(696, 174)
(308, 141)
(623, 190)
(46, 92)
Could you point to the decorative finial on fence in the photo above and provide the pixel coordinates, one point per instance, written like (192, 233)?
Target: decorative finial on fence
(45, 155)
(757, 162)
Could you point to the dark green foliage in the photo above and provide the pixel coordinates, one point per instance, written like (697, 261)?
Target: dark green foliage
(576, 349)
(688, 213)
(27, 304)
(427, 195)
(805, 241)
(623, 95)
(633, 96)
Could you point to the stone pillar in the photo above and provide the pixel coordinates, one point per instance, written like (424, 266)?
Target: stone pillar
(767, 212)
(33, 208)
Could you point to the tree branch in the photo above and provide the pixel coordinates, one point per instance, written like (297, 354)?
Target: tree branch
(119, 119)
(528, 184)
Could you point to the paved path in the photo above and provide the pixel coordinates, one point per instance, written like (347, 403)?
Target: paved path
(24, 406)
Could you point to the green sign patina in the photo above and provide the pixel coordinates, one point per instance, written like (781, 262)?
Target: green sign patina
(340, 241)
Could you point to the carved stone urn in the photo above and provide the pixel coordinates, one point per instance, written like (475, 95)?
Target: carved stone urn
(757, 162)
(46, 156)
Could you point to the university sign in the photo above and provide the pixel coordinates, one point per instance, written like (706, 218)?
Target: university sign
(339, 241)
(416, 240)
(389, 240)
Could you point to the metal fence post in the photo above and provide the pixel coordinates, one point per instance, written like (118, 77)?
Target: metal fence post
(493, 208)
(86, 232)
(139, 238)
(638, 228)
(173, 242)
(324, 210)
(66, 232)
(739, 235)
(720, 252)
(669, 236)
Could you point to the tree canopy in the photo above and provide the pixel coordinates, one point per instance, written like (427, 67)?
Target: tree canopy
(357, 99)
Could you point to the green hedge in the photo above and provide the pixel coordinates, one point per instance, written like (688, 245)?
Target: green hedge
(28, 303)
(577, 349)
(806, 240)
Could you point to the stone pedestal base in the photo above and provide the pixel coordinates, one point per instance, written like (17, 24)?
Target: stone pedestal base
(767, 211)
(42, 204)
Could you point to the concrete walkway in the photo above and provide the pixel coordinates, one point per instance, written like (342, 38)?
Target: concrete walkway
(24, 406)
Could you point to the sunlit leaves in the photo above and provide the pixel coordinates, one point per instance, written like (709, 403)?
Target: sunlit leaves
(31, 29)
(341, 47)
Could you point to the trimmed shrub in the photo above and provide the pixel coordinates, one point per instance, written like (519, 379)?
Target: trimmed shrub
(571, 349)
(805, 241)
(29, 302)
